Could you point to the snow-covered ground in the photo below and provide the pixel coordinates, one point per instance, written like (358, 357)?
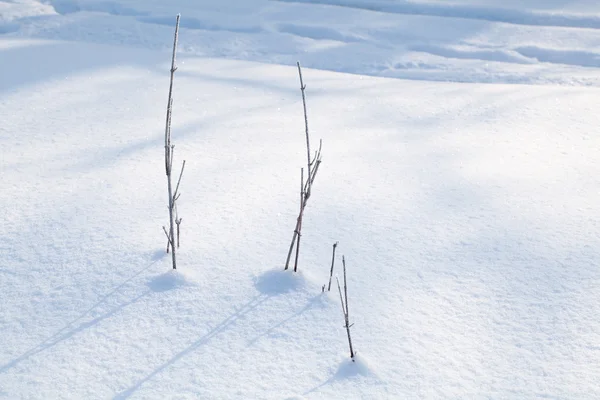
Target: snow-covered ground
(515, 41)
(467, 211)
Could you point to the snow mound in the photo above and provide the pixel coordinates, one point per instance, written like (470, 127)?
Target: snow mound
(170, 280)
(353, 367)
(276, 282)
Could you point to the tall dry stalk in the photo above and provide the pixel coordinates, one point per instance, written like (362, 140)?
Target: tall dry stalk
(169, 149)
(305, 186)
(344, 301)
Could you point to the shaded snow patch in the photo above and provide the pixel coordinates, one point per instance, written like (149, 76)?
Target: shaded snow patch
(350, 368)
(170, 280)
(158, 255)
(276, 282)
(8, 27)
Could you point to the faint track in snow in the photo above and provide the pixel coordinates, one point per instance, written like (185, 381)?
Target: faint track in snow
(492, 14)
(484, 54)
(109, 7)
(195, 23)
(519, 55)
(316, 32)
(65, 7)
(561, 56)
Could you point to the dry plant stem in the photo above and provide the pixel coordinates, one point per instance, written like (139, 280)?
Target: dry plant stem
(332, 263)
(302, 196)
(298, 244)
(307, 186)
(302, 87)
(168, 239)
(175, 198)
(297, 229)
(316, 161)
(176, 195)
(289, 256)
(345, 289)
(344, 301)
(169, 149)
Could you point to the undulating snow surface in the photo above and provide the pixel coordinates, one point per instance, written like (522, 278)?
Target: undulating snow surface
(514, 41)
(467, 211)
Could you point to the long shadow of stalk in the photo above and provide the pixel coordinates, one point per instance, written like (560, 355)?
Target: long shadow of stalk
(296, 314)
(221, 327)
(68, 330)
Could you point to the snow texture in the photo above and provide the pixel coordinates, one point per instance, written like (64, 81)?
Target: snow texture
(460, 175)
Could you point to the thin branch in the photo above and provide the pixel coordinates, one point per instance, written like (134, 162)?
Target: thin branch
(168, 238)
(178, 222)
(176, 195)
(302, 202)
(317, 153)
(302, 189)
(172, 151)
(306, 186)
(317, 162)
(332, 263)
(315, 172)
(345, 286)
(289, 256)
(341, 298)
(169, 148)
(302, 87)
(347, 324)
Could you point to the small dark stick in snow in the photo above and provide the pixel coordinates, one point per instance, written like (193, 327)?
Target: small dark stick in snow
(332, 263)
(347, 324)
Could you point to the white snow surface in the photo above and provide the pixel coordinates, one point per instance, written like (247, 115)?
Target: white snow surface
(512, 41)
(464, 196)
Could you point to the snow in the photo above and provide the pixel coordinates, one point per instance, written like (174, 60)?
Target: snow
(549, 42)
(459, 175)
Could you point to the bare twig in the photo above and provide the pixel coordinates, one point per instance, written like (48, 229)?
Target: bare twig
(332, 263)
(169, 149)
(176, 195)
(302, 200)
(178, 222)
(306, 187)
(317, 153)
(302, 87)
(345, 285)
(168, 238)
(317, 161)
(289, 256)
(298, 244)
(298, 222)
(344, 301)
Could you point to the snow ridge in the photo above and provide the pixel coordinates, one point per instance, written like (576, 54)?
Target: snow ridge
(467, 11)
